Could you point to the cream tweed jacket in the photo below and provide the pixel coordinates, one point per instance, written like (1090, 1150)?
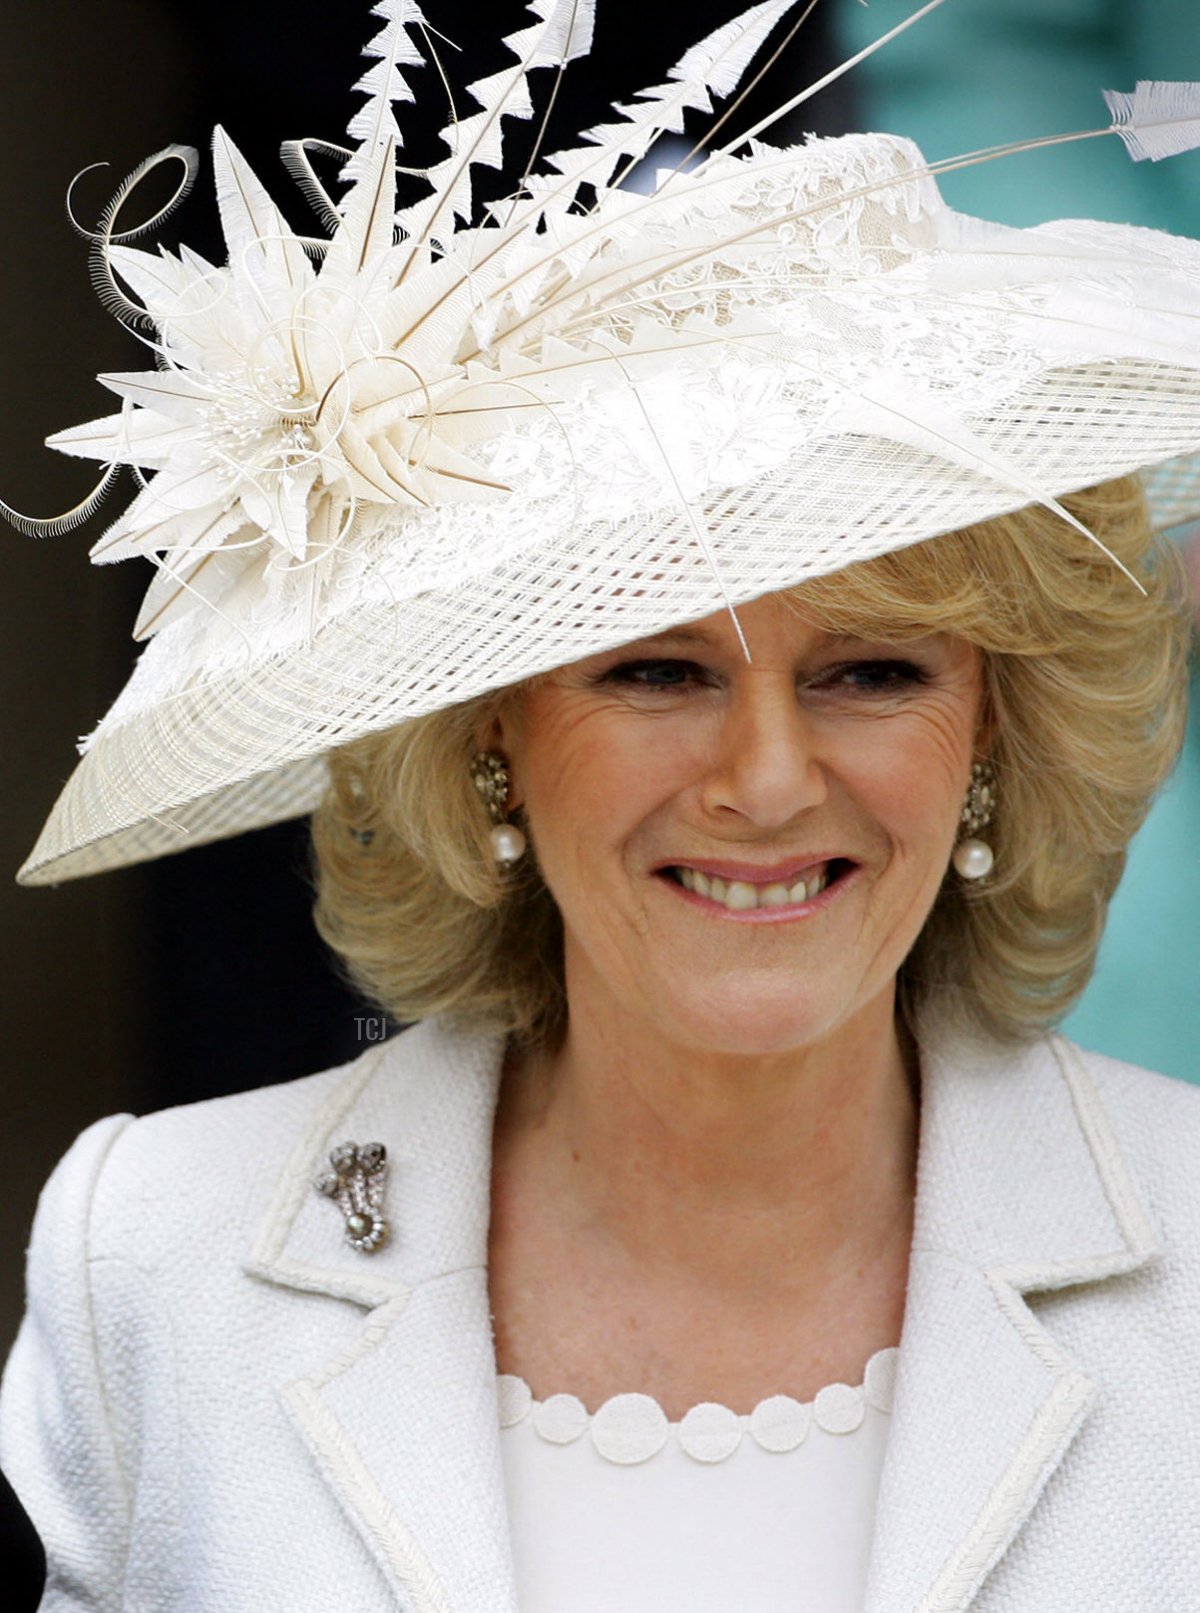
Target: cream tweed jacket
(216, 1405)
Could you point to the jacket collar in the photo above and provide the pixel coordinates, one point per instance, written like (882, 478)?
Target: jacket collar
(1020, 1187)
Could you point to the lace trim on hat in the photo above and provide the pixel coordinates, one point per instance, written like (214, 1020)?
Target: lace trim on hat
(632, 1428)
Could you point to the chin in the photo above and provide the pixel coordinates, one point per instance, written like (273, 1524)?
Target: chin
(748, 1018)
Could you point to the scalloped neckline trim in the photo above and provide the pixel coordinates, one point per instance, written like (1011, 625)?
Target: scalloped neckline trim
(631, 1428)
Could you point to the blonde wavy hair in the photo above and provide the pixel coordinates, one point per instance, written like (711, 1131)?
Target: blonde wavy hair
(1084, 707)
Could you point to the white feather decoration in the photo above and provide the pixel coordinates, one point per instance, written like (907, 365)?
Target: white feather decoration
(713, 66)
(570, 32)
(478, 139)
(384, 83)
(253, 226)
(719, 60)
(1160, 119)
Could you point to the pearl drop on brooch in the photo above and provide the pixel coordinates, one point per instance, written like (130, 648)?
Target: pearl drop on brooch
(508, 843)
(973, 859)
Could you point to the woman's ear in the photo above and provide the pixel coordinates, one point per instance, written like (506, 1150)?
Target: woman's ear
(988, 726)
(503, 735)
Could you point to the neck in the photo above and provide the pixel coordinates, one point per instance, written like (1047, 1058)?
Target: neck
(732, 1169)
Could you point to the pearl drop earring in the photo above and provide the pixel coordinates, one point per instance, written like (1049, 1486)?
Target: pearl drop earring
(973, 858)
(490, 773)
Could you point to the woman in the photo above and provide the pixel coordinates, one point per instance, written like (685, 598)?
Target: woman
(731, 783)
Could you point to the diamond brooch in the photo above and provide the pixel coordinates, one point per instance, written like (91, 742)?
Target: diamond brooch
(356, 1184)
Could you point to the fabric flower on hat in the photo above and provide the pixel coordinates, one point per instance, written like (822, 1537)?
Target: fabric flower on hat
(298, 406)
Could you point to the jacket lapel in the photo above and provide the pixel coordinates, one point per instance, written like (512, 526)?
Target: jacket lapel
(1020, 1188)
(402, 1421)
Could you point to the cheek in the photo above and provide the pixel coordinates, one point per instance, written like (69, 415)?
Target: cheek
(916, 780)
(588, 777)
(587, 758)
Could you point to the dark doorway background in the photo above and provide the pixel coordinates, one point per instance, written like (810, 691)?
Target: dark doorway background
(201, 974)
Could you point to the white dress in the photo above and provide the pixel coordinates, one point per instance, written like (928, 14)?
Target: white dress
(625, 1512)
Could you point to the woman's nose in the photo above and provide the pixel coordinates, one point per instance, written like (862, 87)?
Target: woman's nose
(767, 767)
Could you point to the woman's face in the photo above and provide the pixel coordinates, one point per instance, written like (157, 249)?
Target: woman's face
(744, 853)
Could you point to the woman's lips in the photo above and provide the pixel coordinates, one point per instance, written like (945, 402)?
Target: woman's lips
(780, 893)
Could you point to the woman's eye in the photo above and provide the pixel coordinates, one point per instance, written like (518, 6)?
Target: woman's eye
(874, 677)
(654, 674)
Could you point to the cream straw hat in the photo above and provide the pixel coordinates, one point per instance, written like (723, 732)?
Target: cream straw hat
(425, 457)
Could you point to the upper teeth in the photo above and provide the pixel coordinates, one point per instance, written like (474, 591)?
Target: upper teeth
(739, 896)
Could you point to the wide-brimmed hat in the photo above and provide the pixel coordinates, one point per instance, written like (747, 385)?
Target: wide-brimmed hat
(429, 455)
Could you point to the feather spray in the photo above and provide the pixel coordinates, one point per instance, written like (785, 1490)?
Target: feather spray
(311, 392)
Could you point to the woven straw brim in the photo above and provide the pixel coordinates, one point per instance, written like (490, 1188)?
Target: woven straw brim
(243, 751)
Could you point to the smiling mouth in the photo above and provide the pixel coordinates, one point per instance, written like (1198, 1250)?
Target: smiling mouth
(741, 896)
